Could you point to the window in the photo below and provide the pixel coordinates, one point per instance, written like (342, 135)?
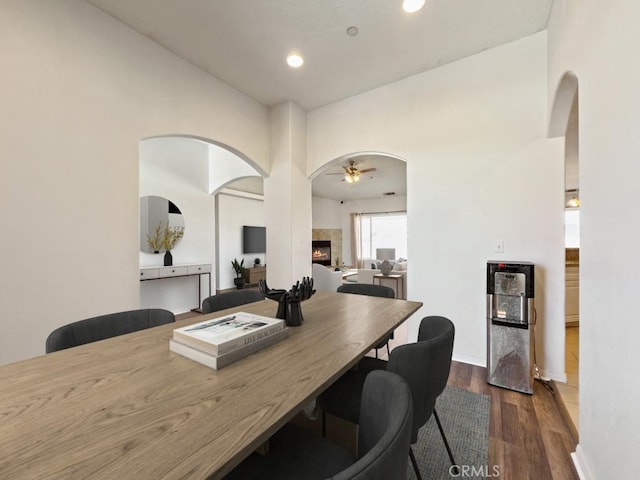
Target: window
(383, 230)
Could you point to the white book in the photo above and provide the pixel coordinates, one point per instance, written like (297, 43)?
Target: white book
(217, 362)
(221, 335)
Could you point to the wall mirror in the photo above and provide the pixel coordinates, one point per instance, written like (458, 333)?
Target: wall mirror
(157, 213)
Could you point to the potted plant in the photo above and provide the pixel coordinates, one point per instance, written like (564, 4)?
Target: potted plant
(239, 269)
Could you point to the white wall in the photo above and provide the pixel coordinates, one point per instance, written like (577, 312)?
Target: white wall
(226, 167)
(479, 169)
(326, 213)
(598, 41)
(79, 90)
(287, 198)
(233, 212)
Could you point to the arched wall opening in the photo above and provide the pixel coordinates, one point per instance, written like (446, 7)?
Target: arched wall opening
(382, 187)
(190, 172)
(374, 205)
(565, 94)
(564, 122)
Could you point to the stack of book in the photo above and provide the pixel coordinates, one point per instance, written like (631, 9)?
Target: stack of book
(221, 341)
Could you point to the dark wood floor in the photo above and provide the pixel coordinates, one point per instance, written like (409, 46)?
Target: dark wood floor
(527, 435)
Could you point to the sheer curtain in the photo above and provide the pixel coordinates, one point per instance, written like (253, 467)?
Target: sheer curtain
(356, 244)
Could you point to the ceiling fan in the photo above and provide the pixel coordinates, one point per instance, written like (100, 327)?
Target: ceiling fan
(352, 173)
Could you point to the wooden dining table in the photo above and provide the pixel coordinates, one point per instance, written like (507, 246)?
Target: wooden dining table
(128, 408)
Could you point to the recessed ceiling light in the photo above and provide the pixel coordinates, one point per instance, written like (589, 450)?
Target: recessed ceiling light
(352, 31)
(295, 60)
(412, 6)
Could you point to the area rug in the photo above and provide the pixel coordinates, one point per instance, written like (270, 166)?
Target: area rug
(465, 419)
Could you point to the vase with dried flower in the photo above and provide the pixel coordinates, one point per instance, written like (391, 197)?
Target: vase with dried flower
(170, 237)
(165, 238)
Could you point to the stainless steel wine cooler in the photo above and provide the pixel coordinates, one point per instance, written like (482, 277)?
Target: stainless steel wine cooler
(510, 319)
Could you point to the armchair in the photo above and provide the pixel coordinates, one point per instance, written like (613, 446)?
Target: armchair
(325, 279)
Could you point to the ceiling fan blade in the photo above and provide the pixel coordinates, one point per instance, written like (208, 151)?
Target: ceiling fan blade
(337, 173)
(368, 170)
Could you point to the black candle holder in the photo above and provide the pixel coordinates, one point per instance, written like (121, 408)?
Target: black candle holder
(289, 301)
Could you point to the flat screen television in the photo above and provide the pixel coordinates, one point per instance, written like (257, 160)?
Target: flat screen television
(254, 239)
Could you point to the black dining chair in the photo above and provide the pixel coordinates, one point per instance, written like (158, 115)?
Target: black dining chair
(425, 366)
(367, 289)
(373, 291)
(225, 300)
(106, 326)
(383, 440)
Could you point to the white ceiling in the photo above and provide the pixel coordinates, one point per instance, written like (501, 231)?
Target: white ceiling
(390, 176)
(244, 42)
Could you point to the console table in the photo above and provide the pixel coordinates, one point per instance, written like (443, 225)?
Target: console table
(158, 273)
(399, 279)
(253, 274)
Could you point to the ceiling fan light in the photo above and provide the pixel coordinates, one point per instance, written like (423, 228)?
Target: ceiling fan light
(348, 178)
(574, 202)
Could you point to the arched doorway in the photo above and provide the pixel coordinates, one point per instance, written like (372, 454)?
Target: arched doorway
(359, 205)
(565, 122)
(188, 171)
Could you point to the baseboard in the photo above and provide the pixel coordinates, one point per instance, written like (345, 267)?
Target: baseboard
(581, 465)
(558, 377)
(566, 418)
(470, 360)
